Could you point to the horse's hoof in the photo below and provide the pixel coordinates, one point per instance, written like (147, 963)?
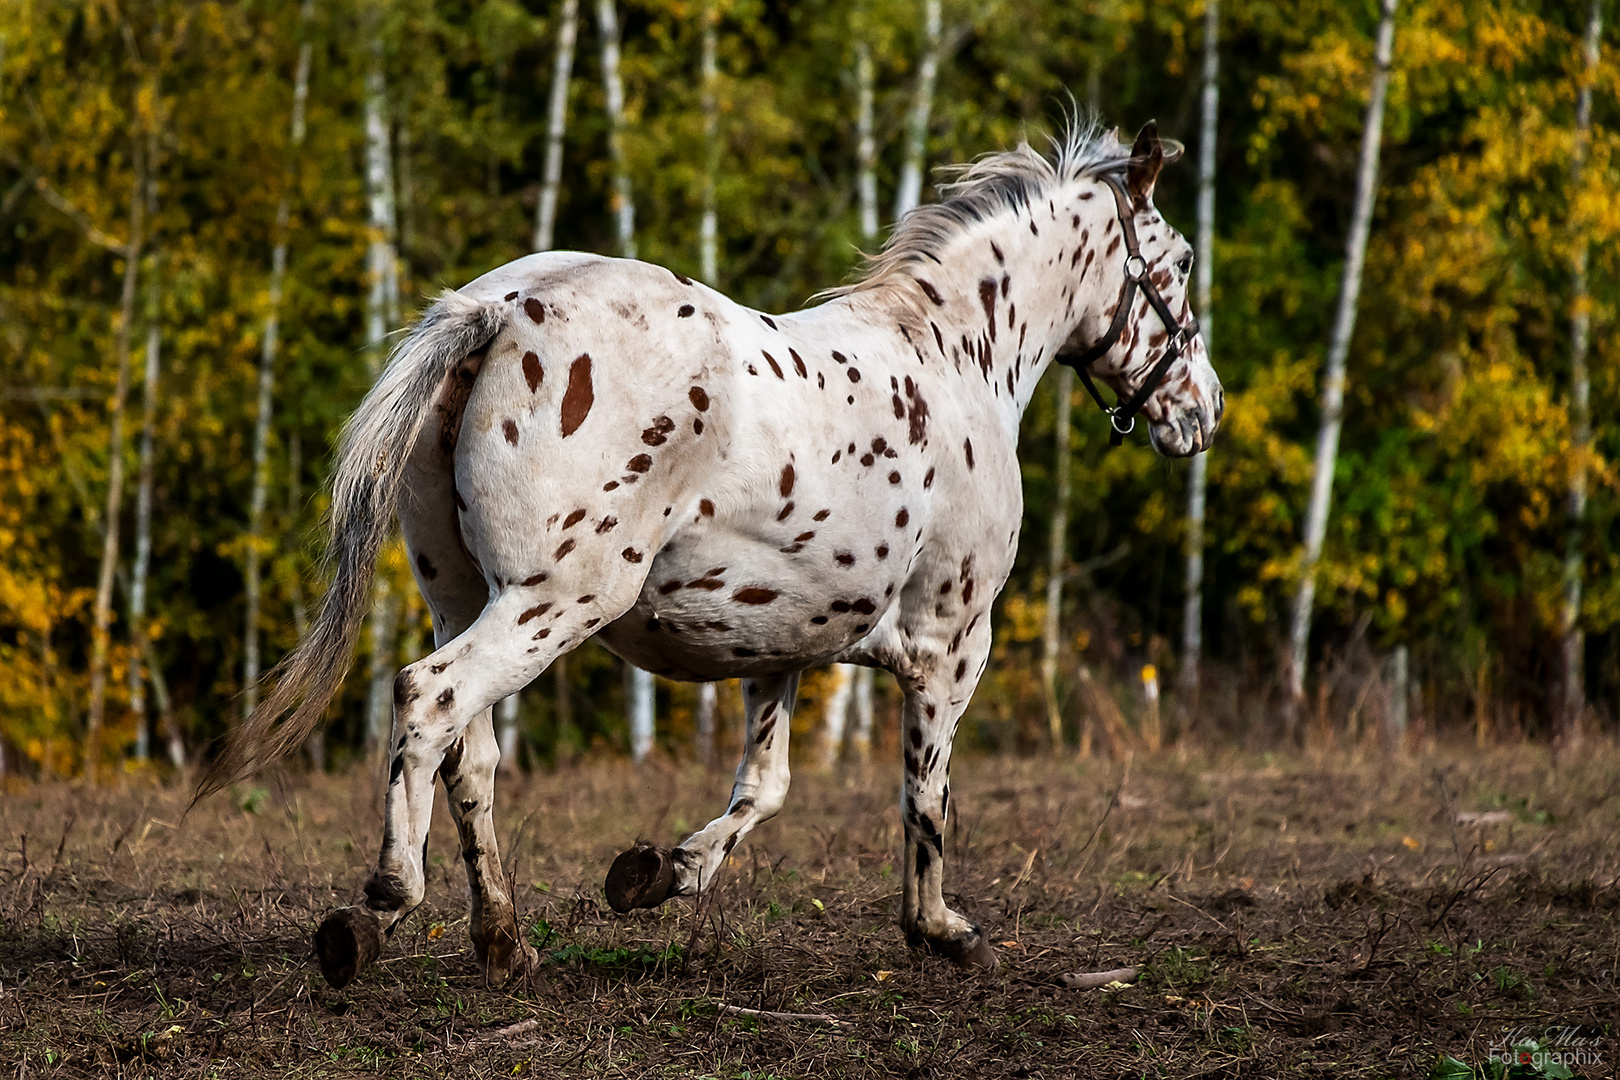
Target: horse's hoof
(347, 941)
(969, 949)
(640, 878)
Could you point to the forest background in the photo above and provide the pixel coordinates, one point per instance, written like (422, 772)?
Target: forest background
(156, 156)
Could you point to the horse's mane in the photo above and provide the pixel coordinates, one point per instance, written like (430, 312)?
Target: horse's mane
(995, 182)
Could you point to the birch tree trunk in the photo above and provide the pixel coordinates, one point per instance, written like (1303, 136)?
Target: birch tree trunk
(101, 627)
(641, 713)
(268, 348)
(382, 312)
(624, 208)
(835, 714)
(862, 736)
(1344, 324)
(866, 150)
(909, 191)
(709, 232)
(707, 702)
(1057, 555)
(143, 485)
(1572, 698)
(1192, 620)
(507, 735)
(562, 67)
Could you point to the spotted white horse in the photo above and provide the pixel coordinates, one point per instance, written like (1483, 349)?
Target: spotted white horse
(590, 446)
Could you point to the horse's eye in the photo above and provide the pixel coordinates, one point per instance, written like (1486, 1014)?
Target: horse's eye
(1185, 265)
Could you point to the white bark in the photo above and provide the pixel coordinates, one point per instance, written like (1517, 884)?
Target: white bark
(562, 67)
(641, 714)
(102, 624)
(866, 151)
(1057, 555)
(380, 700)
(1344, 324)
(707, 701)
(1192, 620)
(268, 348)
(382, 302)
(709, 233)
(506, 733)
(862, 735)
(382, 312)
(909, 191)
(1572, 698)
(835, 714)
(624, 208)
(143, 485)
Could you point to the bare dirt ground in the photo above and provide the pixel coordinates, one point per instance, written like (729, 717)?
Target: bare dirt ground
(1298, 917)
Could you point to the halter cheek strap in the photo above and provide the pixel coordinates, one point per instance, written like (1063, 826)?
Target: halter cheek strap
(1122, 417)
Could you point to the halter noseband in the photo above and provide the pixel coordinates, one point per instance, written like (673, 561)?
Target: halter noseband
(1122, 417)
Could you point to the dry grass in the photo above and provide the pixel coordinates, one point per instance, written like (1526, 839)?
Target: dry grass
(1298, 917)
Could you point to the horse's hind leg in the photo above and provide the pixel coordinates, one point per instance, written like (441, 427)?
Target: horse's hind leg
(436, 699)
(468, 773)
(646, 876)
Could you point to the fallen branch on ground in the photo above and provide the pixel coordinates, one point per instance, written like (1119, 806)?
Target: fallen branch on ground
(1091, 980)
(522, 1027)
(766, 1014)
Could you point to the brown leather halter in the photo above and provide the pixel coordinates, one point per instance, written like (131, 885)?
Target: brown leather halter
(1122, 417)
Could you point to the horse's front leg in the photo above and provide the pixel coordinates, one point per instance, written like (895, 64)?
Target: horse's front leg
(646, 875)
(933, 705)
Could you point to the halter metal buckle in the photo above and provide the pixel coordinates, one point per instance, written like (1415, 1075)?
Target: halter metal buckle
(1135, 267)
(1113, 421)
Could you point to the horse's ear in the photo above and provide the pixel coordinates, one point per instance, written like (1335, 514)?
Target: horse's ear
(1147, 158)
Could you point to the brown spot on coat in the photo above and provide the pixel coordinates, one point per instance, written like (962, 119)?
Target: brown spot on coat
(706, 507)
(509, 429)
(821, 515)
(787, 509)
(798, 364)
(511, 296)
(640, 463)
(776, 368)
(902, 518)
(967, 448)
(931, 292)
(785, 485)
(700, 398)
(534, 612)
(533, 373)
(580, 395)
(533, 579)
(854, 374)
(574, 518)
(631, 555)
(894, 478)
(535, 309)
(845, 558)
(686, 311)
(754, 595)
(656, 435)
(928, 479)
(448, 698)
(987, 297)
(606, 525)
(563, 549)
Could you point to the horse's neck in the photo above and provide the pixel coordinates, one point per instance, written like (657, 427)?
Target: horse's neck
(1006, 294)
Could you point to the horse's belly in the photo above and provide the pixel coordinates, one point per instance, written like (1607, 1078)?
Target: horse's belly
(713, 610)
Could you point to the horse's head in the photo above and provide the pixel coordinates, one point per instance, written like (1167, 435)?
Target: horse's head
(1141, 339)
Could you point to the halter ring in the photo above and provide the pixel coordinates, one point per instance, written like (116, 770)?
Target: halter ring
(1140, 265)
(1113, 421)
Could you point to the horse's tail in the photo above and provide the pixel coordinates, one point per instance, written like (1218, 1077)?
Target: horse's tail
(371, 459)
